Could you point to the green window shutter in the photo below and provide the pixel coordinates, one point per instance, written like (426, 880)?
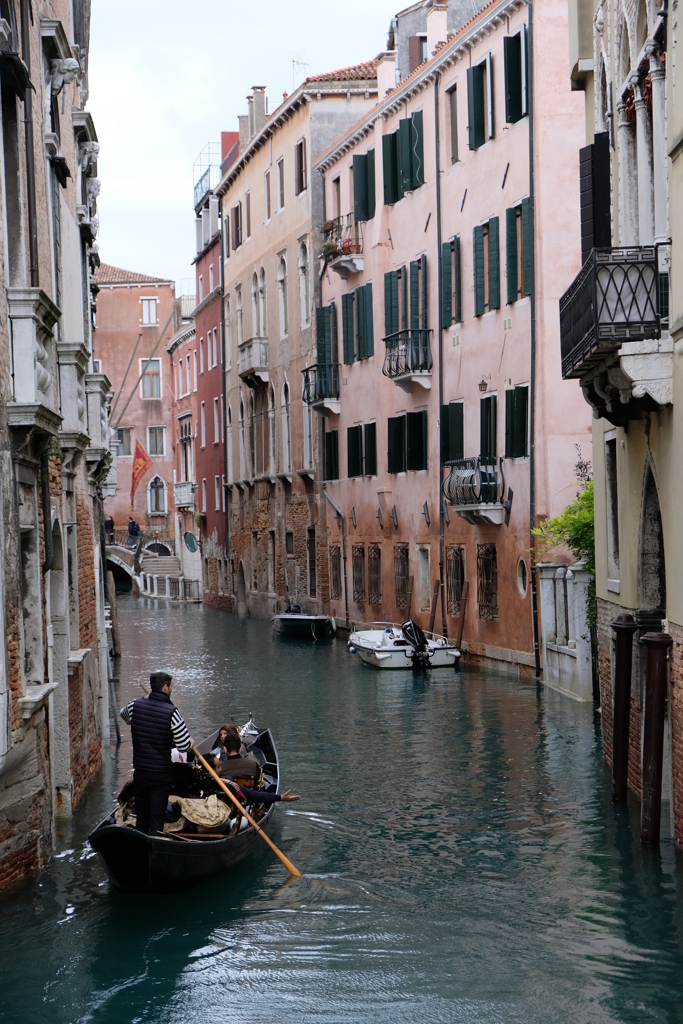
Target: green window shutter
(327, 352)
(488, 410)
(414, 295)
(512, 54)
(369, 322)
(475, 105)
(404, 300)
(484, 429)
(320, 331)
(493, 427)
(457, 292)
(456, 430)
(478, 262)
(511, 250)
(332, 455)
(389, 169)
(526, 246)
(359, 303)
(510, 424)
(396, 437)
(405, 174)
(417, 154)
(370, 447)
(444, 424)
(416, 436)
(494, 264)
(347, 327)
(521, 416)
(354, 449)
(334, 346)
(423, 318)
(388, 316)
(446, 285)
(360, 187)
(371, 183)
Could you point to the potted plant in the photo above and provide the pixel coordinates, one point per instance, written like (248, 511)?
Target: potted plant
(350, 247)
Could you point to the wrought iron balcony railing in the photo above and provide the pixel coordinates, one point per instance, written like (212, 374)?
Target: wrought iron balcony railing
(341, 237)
(407, 352)
(321, 383)
(615, 298)
(474, 481)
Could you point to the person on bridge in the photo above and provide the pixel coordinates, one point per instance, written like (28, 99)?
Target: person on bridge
(109, 527)
(133, 531)
(157, 726)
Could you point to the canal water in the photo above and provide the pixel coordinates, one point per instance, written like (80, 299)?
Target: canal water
(462, 860)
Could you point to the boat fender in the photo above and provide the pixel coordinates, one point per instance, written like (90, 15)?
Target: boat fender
(333, 624)
(243, 824)
(352, 649)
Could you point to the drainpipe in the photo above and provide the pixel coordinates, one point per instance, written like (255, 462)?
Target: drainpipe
(532, 372)
(224, 395)
(30, 156)
(341, 515)
(47, 512)
(437, 79)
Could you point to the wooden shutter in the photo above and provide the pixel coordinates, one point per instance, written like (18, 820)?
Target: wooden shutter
(456, 439)
(512, 59)
(453, 110)
(354, 449)
(489, 96)
(488, 427)
(423, 297)
(359, 303)
(446, 285)
(511, 250)
(414, 295)
(332, 455)
(457, 292)
(388, 318)
(370, 449)
(478, 263)
(369, 324)
(510, 423)
(416, 438)
(594, 192)
(494, 264)
(303, 164)
(390, 168)
(417, 163)
(297, 169)
(414, 53)
(347, 327)
(396, 444)
(360, 187)
(334, 345)
(405, 173)
(521, 410)
(444, 433)
(323, 334)
(404, 300)
(370, 168)
(475, 106)
(526, 246)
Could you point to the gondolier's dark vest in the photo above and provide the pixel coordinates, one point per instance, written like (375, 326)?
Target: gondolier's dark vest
(152, 737)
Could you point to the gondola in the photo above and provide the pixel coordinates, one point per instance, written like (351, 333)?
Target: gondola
(164, 864)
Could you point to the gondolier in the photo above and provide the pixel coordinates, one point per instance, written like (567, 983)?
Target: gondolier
(156, 726)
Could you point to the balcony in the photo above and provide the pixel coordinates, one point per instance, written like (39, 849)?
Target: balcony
(343, 246)
(252, 361)
(408, 358)
(611, 321)
(321, 387)
(475, 488)
(183, 492)
(32, 317)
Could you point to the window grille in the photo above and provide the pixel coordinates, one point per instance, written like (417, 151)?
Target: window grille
(335, 574)
(358, 562)
(455, 577)
(375, 575)
(401, 575)
(487, 581)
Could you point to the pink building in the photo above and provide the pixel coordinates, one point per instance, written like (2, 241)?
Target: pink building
(425, 376)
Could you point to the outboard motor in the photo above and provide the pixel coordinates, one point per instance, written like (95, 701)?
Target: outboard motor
(418, 641)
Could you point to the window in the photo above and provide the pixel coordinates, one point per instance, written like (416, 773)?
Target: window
(480, 102)
(401, 580)
(289, 542)
(358, 336)
(226, 237)
(304, 292)
(488, 415)
(211, 278)
(299, 169)
(217, 489)
(229, 446)
(455, 577)
(310, 550)
(204, 495)
(486, 263)
(194, 366)
(215, 347)
(247, 212)
(151, 378)
(424, 590)
(453, 111)
(255, 308)
(417, 51)
(157, 496)
(407, 442)
(451, 292)
(286, 438)
(216, 428)
(516, 422)
(123, 438)
(282, 287)
(335, 573)
(96, 366)
(203, 425)
(149, 312)
(155, 440)
(358, 567)
(236, 216)
(375, 574)
(487, 581)
(201, 355)
(515, 60)
(262, 300)
(518, 251)
(612, 507)
(240, 326)
(395, 301)
(271, 432)
(267, 188)
(354, 448)
(281, 184)
(370, 449)
(243, 454)
(364, 186)
(331, 454)
(403, 159)
(201, 287)
(452, 433)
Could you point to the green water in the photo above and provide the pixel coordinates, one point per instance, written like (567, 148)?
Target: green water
(462, 860)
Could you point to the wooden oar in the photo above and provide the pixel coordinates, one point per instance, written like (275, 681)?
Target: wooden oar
(287, 863)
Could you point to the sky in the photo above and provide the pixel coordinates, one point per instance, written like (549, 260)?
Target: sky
(167, 77)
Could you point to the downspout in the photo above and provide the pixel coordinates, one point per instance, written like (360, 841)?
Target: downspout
(341, 515)
(532, 372)
(47, 512)
(224, 363)
(439, 272)
(30, 157)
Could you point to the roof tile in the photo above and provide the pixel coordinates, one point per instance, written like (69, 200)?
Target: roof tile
(106, 274)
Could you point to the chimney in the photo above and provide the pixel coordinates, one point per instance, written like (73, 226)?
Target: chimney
(386, 73)
(243, 122)
(437, 27)
(250, 114)
(260, 116)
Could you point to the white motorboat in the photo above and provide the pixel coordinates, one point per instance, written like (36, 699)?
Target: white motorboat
(405, 646)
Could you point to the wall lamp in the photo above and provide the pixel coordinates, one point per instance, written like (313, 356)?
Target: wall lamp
(483, 385)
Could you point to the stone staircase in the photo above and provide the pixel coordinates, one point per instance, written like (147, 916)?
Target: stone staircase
(161, 565)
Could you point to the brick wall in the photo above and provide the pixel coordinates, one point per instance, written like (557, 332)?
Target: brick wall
(86, 741)
(87, 620)
(676, 712)
(26, 814)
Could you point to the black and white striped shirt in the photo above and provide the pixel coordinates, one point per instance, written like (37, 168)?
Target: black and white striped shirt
(181, 736)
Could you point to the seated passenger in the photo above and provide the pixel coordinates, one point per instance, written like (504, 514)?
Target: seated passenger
(223, 733)
(235, 766)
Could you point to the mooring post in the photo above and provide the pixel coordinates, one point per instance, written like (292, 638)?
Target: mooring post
(624, 626)
(657, 645)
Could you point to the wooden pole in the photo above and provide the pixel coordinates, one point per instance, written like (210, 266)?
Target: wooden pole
(657, 645)
(435, 601)
(115, 636)
(624, 626)
(461, 623)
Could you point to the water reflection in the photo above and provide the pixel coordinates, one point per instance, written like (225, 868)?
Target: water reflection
(463, 859)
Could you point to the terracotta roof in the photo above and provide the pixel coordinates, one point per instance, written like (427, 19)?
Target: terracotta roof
(106, 274)
(350, 74)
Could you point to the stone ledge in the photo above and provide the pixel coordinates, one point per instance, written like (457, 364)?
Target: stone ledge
(77, 658)
(34, 698)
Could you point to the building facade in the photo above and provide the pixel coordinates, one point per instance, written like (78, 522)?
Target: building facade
(56, 459)
(437, 376)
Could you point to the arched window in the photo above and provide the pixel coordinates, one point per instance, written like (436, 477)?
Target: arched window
(304, 293)
(157, 496)
(286, 436)
(255, 308)
(228, 334)
(229, 444)
(238, 299)
(282, 288)
(262, 298)
(243, 470)
(271, 431)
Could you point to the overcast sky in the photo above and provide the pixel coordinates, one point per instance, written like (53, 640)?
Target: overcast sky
(167, 77)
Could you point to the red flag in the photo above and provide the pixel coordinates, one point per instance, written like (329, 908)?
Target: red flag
(141, 464)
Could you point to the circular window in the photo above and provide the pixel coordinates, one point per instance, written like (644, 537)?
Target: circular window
(522, 578)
